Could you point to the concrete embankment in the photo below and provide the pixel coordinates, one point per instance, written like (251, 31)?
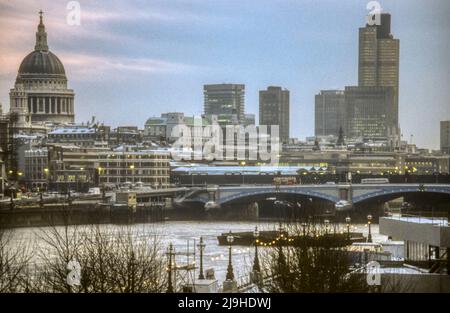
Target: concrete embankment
(78, 213)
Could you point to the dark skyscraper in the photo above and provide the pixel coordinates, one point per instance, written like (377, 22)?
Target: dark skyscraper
(379, 59)
(274, 110)
(329, 112)
(227, 101)
(370, 109)
(369, 112)
(372, 106)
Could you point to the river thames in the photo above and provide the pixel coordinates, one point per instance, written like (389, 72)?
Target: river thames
(184, 235)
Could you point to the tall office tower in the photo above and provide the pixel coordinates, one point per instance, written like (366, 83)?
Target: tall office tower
(329, 112)
(274, 110)
(379, 59)
(227, 101)
(369, 112)
(445, 137)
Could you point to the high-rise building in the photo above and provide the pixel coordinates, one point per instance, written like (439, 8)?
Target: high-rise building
(226, 101)
(369, 112)
(329, 112)
(445, 137)
(274, 110)
(372, 106)
(40, 93)
(379, 59)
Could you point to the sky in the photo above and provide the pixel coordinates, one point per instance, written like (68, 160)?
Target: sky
(129, 60)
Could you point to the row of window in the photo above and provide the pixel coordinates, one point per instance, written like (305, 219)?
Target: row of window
(420, 163)
(43, 83)
(37, 177)
(138, 156)
(150, 180)
(35, 161)
(71, 178)
(71, 136)
(134, 164)
(135, 172)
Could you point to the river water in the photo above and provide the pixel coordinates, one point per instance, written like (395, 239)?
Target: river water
(184, 234)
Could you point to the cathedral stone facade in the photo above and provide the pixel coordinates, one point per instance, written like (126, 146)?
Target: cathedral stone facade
(40, 94)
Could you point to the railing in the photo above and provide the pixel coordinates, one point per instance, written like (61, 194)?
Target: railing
(245, 282)
(439, 263)
(420, 218)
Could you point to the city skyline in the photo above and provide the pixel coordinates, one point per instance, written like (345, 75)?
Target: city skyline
(170, 78)
(224, 147)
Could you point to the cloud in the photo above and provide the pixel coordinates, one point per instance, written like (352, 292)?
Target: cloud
(86, 49)
(133, 14)
(89, 67)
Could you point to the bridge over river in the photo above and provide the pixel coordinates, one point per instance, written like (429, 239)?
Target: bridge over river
(357, 195)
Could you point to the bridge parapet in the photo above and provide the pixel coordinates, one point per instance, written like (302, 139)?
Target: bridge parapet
(364, 192)
(350, 192)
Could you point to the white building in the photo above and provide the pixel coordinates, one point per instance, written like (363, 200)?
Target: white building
(40, 94)
(162, 128)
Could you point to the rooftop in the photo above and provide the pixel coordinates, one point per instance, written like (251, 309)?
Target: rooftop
(432, 231)
(62, 131)
(156, 121)
(187, 120)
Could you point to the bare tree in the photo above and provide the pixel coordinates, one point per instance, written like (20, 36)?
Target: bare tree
(111, 260)
(14, 259)
(60, 245)
(309, 267)
(122, 261)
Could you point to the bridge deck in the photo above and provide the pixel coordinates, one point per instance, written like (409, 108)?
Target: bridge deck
(331, 192)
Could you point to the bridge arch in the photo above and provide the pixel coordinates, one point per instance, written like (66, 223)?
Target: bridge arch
(388, 194)
(258, 194)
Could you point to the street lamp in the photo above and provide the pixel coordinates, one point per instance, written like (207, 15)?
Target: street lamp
(169, 269)
(281, 259)
(348, 220)
(230, 274)
(369, 221)
(256, 267)
(201, 247)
